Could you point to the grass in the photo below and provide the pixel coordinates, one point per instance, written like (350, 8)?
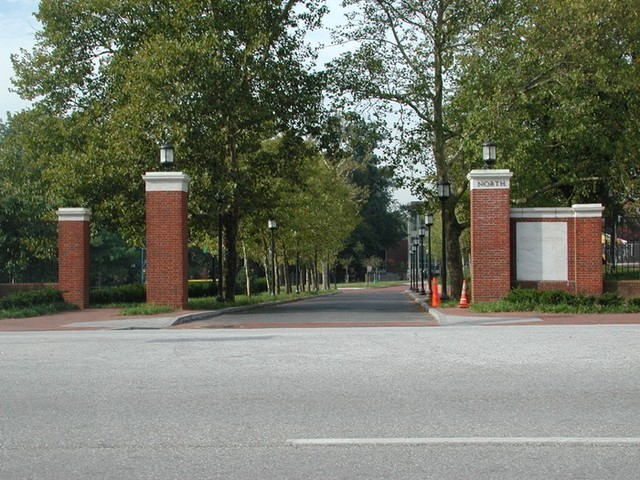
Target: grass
(144, 309)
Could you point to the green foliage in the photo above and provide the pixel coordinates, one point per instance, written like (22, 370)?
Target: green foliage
(555, 83)
(135, 293)
(31, 298)
(144, 309)
(113, 262)
(556, 301)
(33, 303)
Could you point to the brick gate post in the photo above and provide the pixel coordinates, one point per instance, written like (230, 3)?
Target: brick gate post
(588, 248)
(73, 255)
(167, 254)
(490, 234)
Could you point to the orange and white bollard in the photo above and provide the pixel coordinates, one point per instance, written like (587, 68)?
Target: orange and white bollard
(435, 296)
(464, 301)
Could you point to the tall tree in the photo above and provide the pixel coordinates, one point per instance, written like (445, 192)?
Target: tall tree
(353, 143)
(557, 83)
(213, 77)
(406, 64)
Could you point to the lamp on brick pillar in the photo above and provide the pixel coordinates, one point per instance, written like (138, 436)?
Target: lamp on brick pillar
(489, 155)
(272, 227)
(443, 188)
(428, 222)
(166, 156)
(167, 234)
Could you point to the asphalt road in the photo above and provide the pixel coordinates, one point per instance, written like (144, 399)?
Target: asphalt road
(461, 402)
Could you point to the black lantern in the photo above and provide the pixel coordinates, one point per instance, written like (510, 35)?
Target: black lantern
(489, 154)
(166, 155)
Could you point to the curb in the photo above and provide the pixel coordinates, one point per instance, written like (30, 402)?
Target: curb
(195, 317)
(423, 303)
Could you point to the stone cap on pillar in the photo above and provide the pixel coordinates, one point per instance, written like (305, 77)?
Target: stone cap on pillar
(166, 181)
(587, 210)
(489, 179)
(74, 214)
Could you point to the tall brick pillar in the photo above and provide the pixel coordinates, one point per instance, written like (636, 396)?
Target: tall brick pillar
(73, 255)
(167, 254)
(588, 248)
(490, 234)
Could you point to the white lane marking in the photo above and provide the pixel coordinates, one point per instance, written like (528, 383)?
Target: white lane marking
(603, 441)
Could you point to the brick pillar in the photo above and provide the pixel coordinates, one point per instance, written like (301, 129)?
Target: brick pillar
(73, 255)
(167, 255)
(588, 248)
(490, 234)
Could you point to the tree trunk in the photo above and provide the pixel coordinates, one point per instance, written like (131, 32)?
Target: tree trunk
(230, 221)
(246, 269)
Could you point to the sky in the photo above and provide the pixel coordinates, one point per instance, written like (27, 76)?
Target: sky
(18, 27)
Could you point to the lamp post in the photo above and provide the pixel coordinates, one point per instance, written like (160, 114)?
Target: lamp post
(166, 156)
(413, 276)
(416, 259)
(295, 234)
(489, 154)
(444, 192)
(220, 200)
(422, 233)
(272, 227)
(428, 222)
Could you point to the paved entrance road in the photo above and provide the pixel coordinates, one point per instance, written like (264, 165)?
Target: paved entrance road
(356, 308)
(460, 402)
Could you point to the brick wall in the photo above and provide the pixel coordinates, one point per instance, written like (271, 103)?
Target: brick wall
(490, 238)
(167, 235)
(584, 247)
(73, 255)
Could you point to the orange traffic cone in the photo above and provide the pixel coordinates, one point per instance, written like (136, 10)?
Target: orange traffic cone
(435, 297)
(464, 301)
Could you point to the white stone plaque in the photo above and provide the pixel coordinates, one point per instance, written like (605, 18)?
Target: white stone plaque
(542, 251)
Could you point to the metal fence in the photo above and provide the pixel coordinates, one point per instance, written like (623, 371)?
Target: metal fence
(621, 248)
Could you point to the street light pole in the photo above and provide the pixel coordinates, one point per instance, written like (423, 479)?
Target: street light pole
(272, 226)
(416, 260)
(413, 264)
(220, 200)
(428, 222)
(444, 192)
(421, 235)
(295, 234)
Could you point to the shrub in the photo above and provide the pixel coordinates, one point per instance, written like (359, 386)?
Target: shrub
(610, 299)
(31, 298)
(135, 293)
(202, 289)
(522, 296)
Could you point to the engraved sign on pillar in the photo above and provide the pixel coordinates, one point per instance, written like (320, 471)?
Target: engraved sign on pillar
(542, 251)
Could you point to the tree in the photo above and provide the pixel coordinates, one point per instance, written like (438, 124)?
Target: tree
(214, 78)
(27, 221)
(406, 64)
(558, 83)
(351, 142)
